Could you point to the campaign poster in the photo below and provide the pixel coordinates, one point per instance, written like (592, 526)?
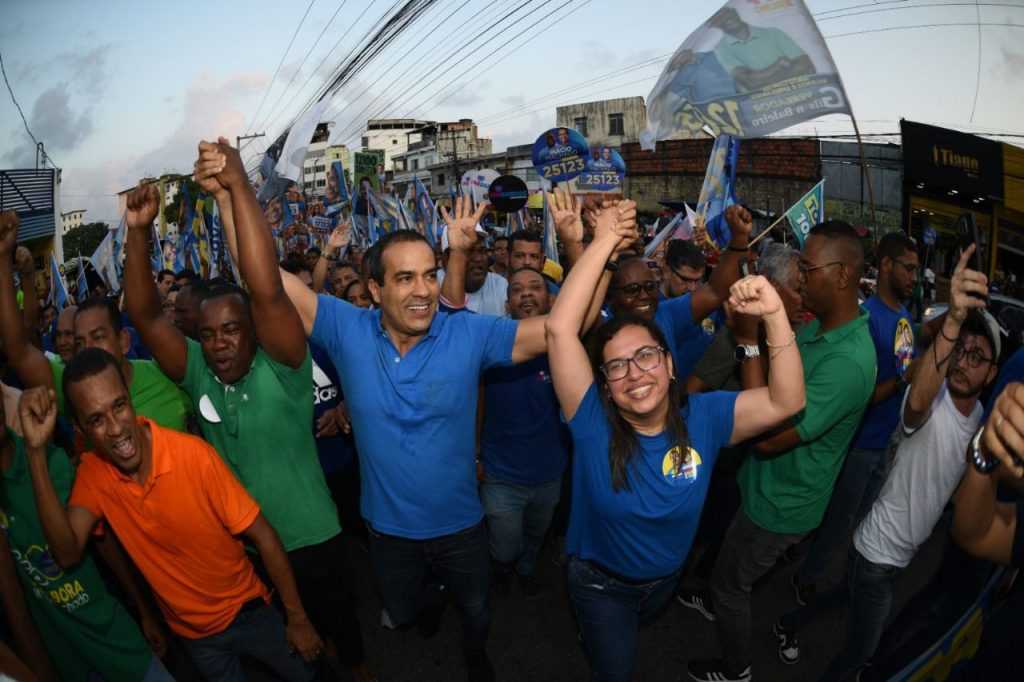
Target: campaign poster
(369, 166)
(603, 172)
(560, 154)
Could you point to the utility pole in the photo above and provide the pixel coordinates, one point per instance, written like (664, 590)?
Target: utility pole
(239, 138)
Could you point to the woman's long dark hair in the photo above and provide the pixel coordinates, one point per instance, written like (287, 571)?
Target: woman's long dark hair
(623, 442)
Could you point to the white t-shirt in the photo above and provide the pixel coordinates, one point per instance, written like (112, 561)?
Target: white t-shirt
(489, 299)
(928, 466)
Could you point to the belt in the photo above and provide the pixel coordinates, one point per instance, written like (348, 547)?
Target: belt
(622, 578)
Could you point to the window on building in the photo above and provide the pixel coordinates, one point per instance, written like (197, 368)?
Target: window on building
(415, 164)
(616, 126)
(531, 174)
(321, 183)
(440, 179)
(366, 142)
(394, 141)
(580, 124)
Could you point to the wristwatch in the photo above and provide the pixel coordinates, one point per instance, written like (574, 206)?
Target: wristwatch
(745, 352)
(983, 464)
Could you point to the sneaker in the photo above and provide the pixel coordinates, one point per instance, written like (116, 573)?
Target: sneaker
(699, 602)
(804, 593)
(789, 645)
(714, 671)
(530, 586)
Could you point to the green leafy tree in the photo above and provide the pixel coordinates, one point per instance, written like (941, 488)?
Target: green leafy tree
(84, 239)
(172, 211)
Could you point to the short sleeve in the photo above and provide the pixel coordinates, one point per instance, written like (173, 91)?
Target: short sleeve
(1017, 557)
(717, 410)
(233, 505)
(718, 363)
(833, 391)
(496, 336)
(297, 381)
(86, 491)
(589, 413)
(334, 318)
(678, 313)
(786, 46)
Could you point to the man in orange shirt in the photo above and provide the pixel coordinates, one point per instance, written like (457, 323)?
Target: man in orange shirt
(177, 510)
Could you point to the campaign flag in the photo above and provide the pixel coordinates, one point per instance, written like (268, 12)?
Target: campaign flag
(82, 283)
(685, 229)
(58, 289)
(807, 212)
(289, 165)
(185, 234)
(425, 211)
(718, 191)
(750, 70)
(156, 258)
(385, 214)
(119, 238)
(215, 230)
(103, 261)
(337, 191)
(663, 234)
(403, 214)
(550, 245)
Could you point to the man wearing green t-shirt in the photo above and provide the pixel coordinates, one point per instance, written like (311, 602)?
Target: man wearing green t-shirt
(250, 376)
(787, 481)
(97, 323)
(86, 631)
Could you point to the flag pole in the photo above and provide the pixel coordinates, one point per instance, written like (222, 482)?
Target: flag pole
(766, 231)
(866, 178)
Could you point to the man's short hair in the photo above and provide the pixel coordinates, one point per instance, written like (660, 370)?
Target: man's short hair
(164, 273)
(894, 245)
(499, 238)
(188, 274)
(107, 303)
(86, 363)
(776, 260)
(683, 253)
(221, 290)
(524, 236)
(294, 264)
(844, 237)
(375, 255)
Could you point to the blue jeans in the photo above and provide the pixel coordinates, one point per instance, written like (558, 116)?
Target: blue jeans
(855, 491)
(518, 517)
(609, 613)
(258, 632)
(157, 672)
(871, 597)
(459, 560)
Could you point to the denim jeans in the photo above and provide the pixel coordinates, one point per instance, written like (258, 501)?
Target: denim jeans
(871, 598)
(258, 631)
(609, 613)
(518, 517)
(748, 552)
(855, 491)
(459, 560)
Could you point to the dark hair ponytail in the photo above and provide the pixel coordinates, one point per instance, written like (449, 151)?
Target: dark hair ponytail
(623, 442)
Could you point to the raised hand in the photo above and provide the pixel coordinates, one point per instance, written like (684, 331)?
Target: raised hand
(340, 236)
(744, 328)
(462, 226)
(754, 295)
(219, 160)
(1004, 431)
(567, 212)
(23, 261)
(741, 223)
(142, 206)
(967, 289)
(38, 412)
(8, 232)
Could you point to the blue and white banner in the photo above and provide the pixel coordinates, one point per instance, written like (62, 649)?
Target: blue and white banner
(58, 289)
(807, 212)
(425, 211)
(604, 172)
(560, 154)
(550, 245)
(82, 283)
(337, 190)
(662, 234)
(718, 190)
(289, 165)
(750, 70)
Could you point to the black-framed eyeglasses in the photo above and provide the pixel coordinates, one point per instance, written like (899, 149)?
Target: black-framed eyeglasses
(645, 358)
(804, 268)
(634, 289)
(975, 358)
(911, 268)
(687, 280)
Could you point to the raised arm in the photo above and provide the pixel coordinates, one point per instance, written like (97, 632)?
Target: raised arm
(712, 295)
(567, 213)
(931, 372)
(337, 244)
(66, 530)
(27, 360)
(462, 238)
(279, 327)
(141, 299)
(30, 308)
(759, 409)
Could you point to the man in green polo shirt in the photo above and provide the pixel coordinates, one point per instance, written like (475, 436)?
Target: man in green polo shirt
(97, 322)
(757, 56)
(787, 481)
(86, 631)
(250, 376)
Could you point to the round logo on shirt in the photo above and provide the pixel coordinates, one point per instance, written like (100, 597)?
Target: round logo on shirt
(708, 325)
(903, 345)
(689, 470)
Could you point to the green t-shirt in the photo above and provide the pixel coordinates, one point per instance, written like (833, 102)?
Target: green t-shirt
(262, 426)
(788, 493)
(83, 626)
(761, 49)
(153, 394)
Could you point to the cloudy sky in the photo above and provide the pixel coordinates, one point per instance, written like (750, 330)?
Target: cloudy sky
(119, 90)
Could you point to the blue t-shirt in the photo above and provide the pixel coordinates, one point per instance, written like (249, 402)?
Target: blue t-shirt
(645, 531)
(893, 334)
(687, 339)
(524, 440)
(335, 452)
(1012, 371)
(414, 417)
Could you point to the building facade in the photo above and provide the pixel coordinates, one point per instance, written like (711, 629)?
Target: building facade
(69, 220)
(453, 144)
(390, 135)
(611, 122)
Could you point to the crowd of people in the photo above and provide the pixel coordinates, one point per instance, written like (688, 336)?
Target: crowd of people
(183, 462)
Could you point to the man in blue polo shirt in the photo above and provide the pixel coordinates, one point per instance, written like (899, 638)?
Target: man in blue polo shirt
(864, 470)
(410, 374)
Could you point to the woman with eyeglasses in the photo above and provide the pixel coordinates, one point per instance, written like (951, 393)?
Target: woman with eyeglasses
(643, 459)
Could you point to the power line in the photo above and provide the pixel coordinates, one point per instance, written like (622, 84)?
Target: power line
(972, 24)
(927, 5)
(24, 121)
(279, 64)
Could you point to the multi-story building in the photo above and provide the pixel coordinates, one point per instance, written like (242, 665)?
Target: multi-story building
(435, 145)
(69, 220)
(611, 122)
(391, 136)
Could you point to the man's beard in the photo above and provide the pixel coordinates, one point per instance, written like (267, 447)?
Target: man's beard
(971, 392)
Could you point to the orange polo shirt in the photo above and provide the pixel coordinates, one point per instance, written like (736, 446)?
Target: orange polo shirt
(180, 529)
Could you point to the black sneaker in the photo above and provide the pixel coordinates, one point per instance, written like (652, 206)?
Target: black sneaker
(714, 671)
(530, 586)
(698, 601)
(789, 645)
(804, 593)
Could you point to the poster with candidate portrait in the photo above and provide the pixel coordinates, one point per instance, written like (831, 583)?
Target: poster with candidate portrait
(560, 154)
(603, 172)
(753, 68)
